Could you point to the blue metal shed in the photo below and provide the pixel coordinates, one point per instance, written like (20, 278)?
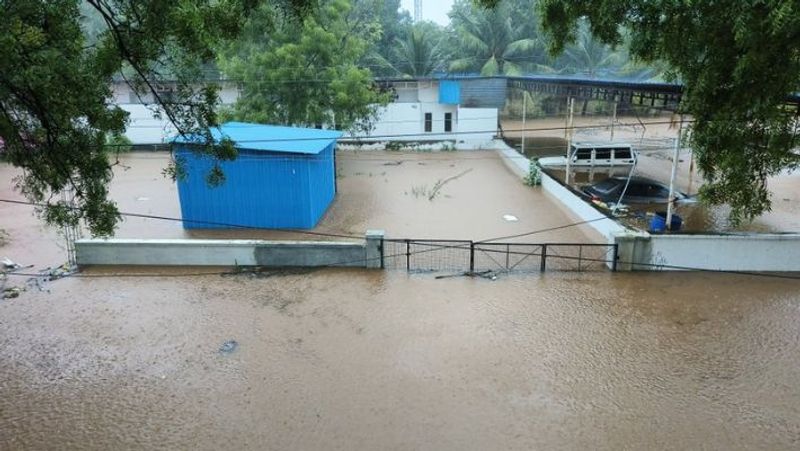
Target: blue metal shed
(284, 177)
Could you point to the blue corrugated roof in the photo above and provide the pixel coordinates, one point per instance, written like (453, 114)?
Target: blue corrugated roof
(271, 138)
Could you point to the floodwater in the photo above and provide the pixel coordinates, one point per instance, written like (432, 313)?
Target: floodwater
(133, 358)
(443, 195)
(456, 195)
(341, 359)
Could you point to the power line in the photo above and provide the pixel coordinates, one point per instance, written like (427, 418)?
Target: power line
(193, 221)
(433, 249)
(421, 135)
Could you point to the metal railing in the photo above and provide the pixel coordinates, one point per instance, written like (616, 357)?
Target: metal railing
(420, 255)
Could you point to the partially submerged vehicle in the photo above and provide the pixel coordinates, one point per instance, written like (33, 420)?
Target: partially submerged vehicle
(587, 154)
(637, 190)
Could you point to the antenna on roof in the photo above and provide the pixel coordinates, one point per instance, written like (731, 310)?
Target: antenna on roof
(417, 10)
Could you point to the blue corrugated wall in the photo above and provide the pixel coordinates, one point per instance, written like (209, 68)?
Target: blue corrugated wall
(262, 189)
(449, 92)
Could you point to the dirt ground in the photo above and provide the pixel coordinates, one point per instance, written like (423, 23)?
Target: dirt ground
(393, 191)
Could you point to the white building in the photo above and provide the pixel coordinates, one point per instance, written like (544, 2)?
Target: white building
(426, 110)
(464, 112)
(145, 126)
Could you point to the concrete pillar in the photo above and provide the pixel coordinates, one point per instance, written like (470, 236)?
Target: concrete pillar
(375, 248)
(630, 247)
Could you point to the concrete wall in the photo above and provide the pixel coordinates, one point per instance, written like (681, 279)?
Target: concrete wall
(603, 227)
(751, 252)
(231, 252)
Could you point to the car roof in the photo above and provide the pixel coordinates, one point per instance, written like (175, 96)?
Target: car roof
(639, 180)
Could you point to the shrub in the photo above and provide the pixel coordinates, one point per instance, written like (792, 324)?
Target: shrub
(534, 177)
(118, 143)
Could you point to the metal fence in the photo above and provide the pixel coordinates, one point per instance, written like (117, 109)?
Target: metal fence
(471, 256)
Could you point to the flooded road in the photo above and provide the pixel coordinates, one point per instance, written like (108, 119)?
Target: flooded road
(339, 359)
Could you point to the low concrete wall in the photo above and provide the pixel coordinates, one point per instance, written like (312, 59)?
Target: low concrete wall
(573, 204)
(751, 252)
(641, 251)
(231, 252)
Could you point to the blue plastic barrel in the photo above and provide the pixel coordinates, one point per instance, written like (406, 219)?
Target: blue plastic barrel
(659, 222)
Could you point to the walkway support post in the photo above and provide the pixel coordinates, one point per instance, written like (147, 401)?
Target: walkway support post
(675, 157)
(613, 120)
(524, 114)
(568, 133)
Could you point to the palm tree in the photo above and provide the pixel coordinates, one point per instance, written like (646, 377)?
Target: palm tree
(589, 57)
(492, 41)
(418, 54)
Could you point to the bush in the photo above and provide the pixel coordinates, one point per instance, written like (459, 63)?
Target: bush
(534, 177)
(394, 146)
(117, 143)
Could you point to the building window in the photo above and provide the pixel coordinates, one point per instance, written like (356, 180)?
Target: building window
(448, 122)
(428, 122)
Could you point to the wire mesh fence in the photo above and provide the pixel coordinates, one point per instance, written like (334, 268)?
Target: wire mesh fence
(468, 256)
(426, 255)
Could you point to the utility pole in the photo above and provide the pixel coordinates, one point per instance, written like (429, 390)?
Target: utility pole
(568, 136)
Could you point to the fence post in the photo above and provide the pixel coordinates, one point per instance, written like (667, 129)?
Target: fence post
(374, 249)
(614, 258)
(408, 255)
(471, 256)
(544, 258)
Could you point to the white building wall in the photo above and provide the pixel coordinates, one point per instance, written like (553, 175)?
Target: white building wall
(143, 126)
(477, 124)
(399, 121)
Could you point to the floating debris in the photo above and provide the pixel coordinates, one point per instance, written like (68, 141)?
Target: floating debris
(488, 274)
(8, 264)
(228, 347)
(11, 293)
(510, 218)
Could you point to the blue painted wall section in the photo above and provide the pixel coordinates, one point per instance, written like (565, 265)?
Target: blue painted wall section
(283, 178)
(449, 92)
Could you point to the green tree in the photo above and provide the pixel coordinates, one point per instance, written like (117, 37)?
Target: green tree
(493, 41)
(306, 73)
(419, 54)
(738, 62)
(56, 106)
(395, 25)
(589, 57)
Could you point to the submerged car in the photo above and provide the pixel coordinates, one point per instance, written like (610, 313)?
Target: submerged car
(640, 190)
(594, 154)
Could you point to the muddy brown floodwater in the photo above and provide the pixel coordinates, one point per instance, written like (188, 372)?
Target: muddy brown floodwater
(357, 359)
(339, 359)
